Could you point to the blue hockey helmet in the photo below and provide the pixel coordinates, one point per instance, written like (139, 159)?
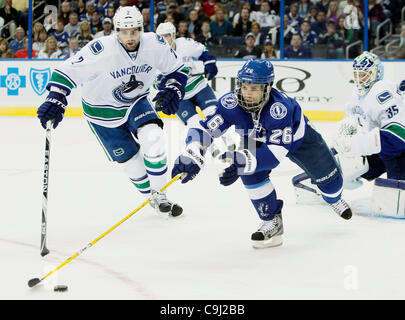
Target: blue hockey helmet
(255, 71)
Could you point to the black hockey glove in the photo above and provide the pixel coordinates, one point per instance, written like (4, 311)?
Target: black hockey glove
(167, 99)
(53, 108)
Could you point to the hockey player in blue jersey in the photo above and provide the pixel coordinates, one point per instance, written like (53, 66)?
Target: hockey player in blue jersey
(272, 126)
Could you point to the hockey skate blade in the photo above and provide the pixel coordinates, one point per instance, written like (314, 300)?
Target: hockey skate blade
(272, 242)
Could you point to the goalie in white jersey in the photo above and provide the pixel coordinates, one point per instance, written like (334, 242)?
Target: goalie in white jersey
(116, 73)
(374, 128)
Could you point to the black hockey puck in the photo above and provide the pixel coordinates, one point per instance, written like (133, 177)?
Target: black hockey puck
(60, 288)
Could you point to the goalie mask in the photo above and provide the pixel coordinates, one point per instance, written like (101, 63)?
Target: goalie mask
(254, 84)
(367, 69)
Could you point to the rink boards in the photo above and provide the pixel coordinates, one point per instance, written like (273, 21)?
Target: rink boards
(322, 87)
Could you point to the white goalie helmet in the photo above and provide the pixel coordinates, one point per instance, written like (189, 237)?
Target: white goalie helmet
(367, 69)
(166, 28)
(128, 17)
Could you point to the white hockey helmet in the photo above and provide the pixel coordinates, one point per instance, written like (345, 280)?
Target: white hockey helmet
(128, 17)
(367, 69)
(166, 28)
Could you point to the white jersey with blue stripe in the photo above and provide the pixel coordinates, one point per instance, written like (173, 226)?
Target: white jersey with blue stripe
(279, 126)
(382, 107)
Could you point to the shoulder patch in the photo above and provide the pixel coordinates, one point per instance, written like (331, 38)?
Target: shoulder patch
(96, 47)
(228, 101)
(278, 110)
(383, 97)
(160, 39)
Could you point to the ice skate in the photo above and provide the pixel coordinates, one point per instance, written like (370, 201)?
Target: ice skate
(269, 233)
(159, 202)
(342, 209)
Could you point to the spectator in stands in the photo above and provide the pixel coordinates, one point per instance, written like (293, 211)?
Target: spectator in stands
(66, 10)
(50, 23)
(170, 18)
(320, 25)
(233, 7)
(208, 7)
(334, 42)
(259, 36)
(309, 37)
(38, 26)
(161, 7)
(296, 50)
(288, 30)
(244, 24)
(73, 27)
(102, 6)
(40, 43)
(84, 36)
(61, 36)
(95, 24)
(268, 51)
(23, 53)
(323, 5)
(376, 16)
(111, 11)
(266, 18)
(9, 54)
(71, 50)
(18, 42)
(400, 54)
(186, 7)
(194, 22)
(51, 50)
(249, 50)
(22, 8)
(3, 46)
(172, 10)
(221, 27)
(303, 9)
(90, 8)
(81, 8)
(245, 5)
(146, 19)
(107, 29)
(313, 12)
(1, 22)
(10, 15)
(333, 12)
(205, 36)
(182, 30)
(294, 17)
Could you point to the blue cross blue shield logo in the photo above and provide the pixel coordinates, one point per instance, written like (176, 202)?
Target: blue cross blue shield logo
(39, 79)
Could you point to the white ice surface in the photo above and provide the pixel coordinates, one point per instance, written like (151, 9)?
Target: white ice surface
(206, 254)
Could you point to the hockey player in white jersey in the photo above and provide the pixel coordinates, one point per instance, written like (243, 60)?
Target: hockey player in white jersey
(373, 131)
(116, 73)
(198, 93)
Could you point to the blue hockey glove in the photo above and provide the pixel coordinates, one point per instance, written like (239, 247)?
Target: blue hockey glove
(210, 70)
(53, 108)
(189, 162)
(242, 163)
(167, 99)
(402, 85)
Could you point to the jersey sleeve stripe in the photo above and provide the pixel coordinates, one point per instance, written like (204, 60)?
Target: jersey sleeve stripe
(396, 129)
(60, 77)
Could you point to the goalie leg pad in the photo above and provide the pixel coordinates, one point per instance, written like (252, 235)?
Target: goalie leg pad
(388, 198)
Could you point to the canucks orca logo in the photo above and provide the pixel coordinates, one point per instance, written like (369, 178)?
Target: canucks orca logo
(125, 88)
(39, 79)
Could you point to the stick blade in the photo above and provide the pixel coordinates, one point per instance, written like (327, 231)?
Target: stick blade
(33, 282)
(44, 252)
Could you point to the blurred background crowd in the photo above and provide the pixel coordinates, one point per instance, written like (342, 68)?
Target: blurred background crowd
(313, 29)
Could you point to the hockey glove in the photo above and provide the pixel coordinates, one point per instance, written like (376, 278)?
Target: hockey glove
(242, 163)
(167, 99)
(189, 162)
(53, 108)
(402, 86)
(210, 70)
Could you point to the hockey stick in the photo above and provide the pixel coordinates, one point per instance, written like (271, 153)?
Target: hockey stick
(33, 282)
(44, 250)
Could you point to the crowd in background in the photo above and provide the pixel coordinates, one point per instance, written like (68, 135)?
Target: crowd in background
(252, 26)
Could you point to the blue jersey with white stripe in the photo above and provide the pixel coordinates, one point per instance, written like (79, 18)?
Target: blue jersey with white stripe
(279, 126)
